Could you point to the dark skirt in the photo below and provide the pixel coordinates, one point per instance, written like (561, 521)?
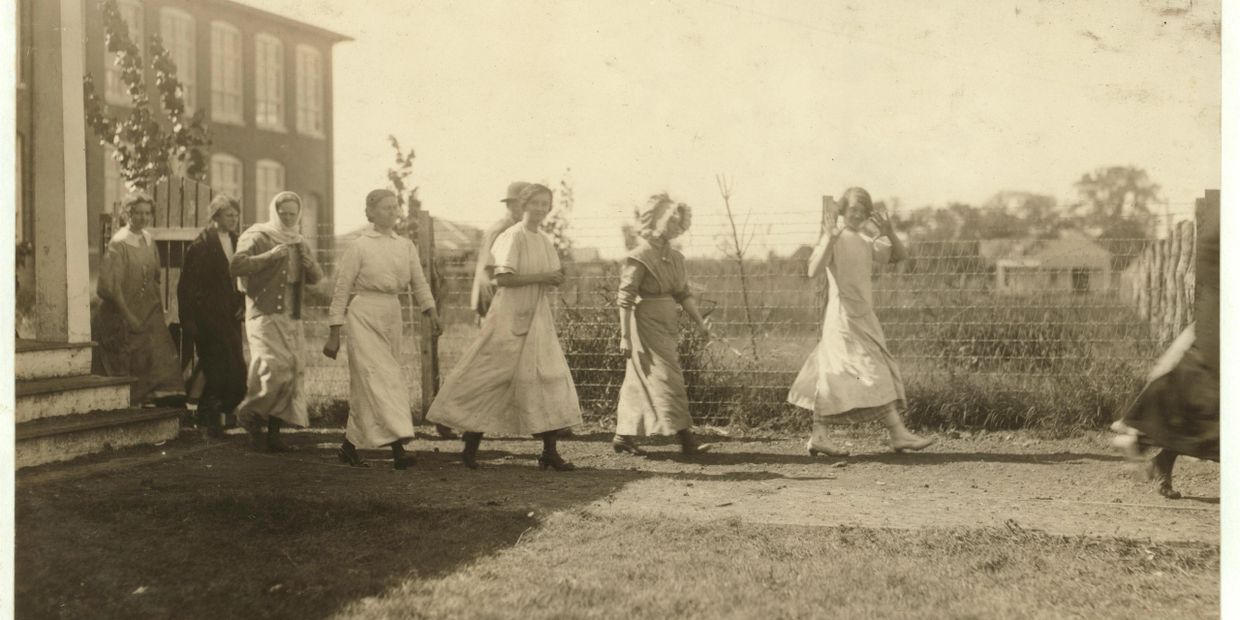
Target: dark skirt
(1179, 410)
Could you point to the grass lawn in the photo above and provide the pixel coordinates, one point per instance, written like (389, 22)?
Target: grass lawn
(225, 533)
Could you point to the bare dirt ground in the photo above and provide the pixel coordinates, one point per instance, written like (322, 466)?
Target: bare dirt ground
(216, 530)
(1075, 487)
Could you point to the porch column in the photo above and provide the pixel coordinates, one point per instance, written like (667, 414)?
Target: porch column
(62, 270)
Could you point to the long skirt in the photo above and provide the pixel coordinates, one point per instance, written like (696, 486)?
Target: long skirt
(275, 386)
(1179, 407)
(379, 405)
(148, 355)
(222, 360)
(514, 379)
(653, 400)
(850, 377)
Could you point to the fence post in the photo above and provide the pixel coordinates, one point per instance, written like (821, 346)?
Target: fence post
(828, 221)
(1207, 277)
(428, 343)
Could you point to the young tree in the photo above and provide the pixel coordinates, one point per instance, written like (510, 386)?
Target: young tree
(144, 144)
(557, 222)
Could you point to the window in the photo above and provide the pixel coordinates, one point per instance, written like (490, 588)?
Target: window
(177, 29)
(269, 181)
(114, 189)
(226, 175)
(225, 73)
(309, 91)
(310, 220)
(115, 91)
(268, 82)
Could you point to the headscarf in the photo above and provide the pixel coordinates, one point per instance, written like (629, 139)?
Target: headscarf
(274, 227)
(653, 217)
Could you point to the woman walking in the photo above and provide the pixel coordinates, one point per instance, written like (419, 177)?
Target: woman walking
(653, 282)
(133, 337)
(376, 269)
(1177, 412)
(211, 310)
(851, 377)
(275, 264)
(514, 379)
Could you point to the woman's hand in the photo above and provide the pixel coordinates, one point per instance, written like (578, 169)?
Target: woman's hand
(132, 321)
(307, 261)
(279, 252)
(707, 333)
(554, 278)
(882, 219)
(436, 326)
(626, 345)
(332, 347)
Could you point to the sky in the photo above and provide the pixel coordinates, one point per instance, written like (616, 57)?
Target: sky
(924, 103)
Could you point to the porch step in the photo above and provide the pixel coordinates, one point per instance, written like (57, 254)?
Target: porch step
(46, 360)
(62, 438)
(62, 396)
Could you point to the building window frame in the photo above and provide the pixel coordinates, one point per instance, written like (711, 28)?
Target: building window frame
(182, 50)
(115, 91)
(227, 74)
(269, 96)
(310, 112)
(220, 162)
(269, 180)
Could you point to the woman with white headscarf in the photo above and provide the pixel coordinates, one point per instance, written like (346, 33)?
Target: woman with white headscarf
(653, 282)
(275, 264)
(133, 336)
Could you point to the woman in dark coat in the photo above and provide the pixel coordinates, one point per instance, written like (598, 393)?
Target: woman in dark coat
(211, 311)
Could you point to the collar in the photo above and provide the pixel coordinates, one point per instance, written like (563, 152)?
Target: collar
(127, 235)
(375, 234)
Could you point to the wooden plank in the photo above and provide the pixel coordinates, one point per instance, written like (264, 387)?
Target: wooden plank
(1171, 296)
(203, 212)
(829, 209)
(159, 214)
(426, 346)
(1183, 232)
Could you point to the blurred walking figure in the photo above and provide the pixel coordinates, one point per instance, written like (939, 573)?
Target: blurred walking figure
(211, 310)
(376, 269)
(275, 265)
(851, 377)
(514, 379)
(653, 283)
(1178, 410)
(484, 270)
(133, 336)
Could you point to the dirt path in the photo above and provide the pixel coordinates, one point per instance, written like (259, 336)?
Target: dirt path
(1068, 487)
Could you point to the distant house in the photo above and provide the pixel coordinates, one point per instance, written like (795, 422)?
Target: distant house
(1073, 263)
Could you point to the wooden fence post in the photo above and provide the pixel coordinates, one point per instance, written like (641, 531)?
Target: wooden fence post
(428, 343)
(828, 221)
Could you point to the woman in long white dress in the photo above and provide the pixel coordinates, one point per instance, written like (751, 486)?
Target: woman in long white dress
(274, 264)
(851, 377)
(514, 378)
(377, 268)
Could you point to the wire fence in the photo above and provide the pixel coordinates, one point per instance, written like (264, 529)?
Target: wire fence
(999, 333)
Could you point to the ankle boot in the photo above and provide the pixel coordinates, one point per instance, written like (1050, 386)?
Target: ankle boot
(253, 426)
(349, 456)
(274, 443)
(469, 455)
(689, 446)
(550, 457)
(625, 443)
(400, 458)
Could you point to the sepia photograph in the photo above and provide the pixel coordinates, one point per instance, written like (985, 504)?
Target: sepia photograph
(602, 309)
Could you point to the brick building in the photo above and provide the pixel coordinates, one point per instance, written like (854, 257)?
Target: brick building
(264, 83)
